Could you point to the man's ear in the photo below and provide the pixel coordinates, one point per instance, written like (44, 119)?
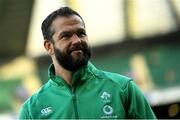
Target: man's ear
(48, 45)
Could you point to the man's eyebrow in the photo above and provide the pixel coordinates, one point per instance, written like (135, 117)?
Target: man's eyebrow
(81, 29)
(63, 33)
(70, 31)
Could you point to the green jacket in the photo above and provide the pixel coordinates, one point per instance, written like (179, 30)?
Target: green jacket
(94, 94)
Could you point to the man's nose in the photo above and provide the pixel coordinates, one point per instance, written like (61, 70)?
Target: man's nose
(75, 39)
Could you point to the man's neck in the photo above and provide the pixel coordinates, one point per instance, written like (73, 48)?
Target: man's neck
(65, 74)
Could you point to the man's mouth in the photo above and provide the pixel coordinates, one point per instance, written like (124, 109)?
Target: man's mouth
(77, 51)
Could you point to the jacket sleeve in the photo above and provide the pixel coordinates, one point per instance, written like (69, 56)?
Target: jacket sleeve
(24, 114)
(137, 106)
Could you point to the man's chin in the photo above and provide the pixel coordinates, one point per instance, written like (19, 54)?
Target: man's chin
(77, 65)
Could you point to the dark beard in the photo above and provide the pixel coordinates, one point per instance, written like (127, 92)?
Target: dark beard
(67, 61)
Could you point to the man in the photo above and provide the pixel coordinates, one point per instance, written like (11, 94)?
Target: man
(76, 89)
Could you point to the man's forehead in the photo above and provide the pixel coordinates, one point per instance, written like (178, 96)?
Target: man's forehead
(68, 23)
(68, 20)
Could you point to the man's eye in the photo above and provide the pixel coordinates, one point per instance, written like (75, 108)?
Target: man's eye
(65, 36)
(81, 34)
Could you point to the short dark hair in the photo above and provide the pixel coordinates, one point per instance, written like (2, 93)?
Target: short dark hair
(46, 24)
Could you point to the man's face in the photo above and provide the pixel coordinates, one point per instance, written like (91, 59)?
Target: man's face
(71, 47)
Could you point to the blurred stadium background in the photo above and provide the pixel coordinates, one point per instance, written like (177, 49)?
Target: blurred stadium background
(137, 38)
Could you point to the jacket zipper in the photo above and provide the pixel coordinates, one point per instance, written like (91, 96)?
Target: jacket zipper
(74, 103)
(73, 94)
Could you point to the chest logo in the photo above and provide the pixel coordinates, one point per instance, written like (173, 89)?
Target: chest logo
(107, 109)
(106, 97)
(46, 111)
(108, 112)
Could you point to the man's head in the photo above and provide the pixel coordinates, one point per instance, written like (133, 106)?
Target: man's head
(63, 12)
(65, 38)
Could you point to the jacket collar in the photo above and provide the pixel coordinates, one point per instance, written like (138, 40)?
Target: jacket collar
(80, 75)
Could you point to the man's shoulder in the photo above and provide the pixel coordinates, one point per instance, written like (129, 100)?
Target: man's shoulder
(114, 78)
(36, 96)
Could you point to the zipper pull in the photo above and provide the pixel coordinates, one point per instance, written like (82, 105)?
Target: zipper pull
(73, 94)
(74, 97)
